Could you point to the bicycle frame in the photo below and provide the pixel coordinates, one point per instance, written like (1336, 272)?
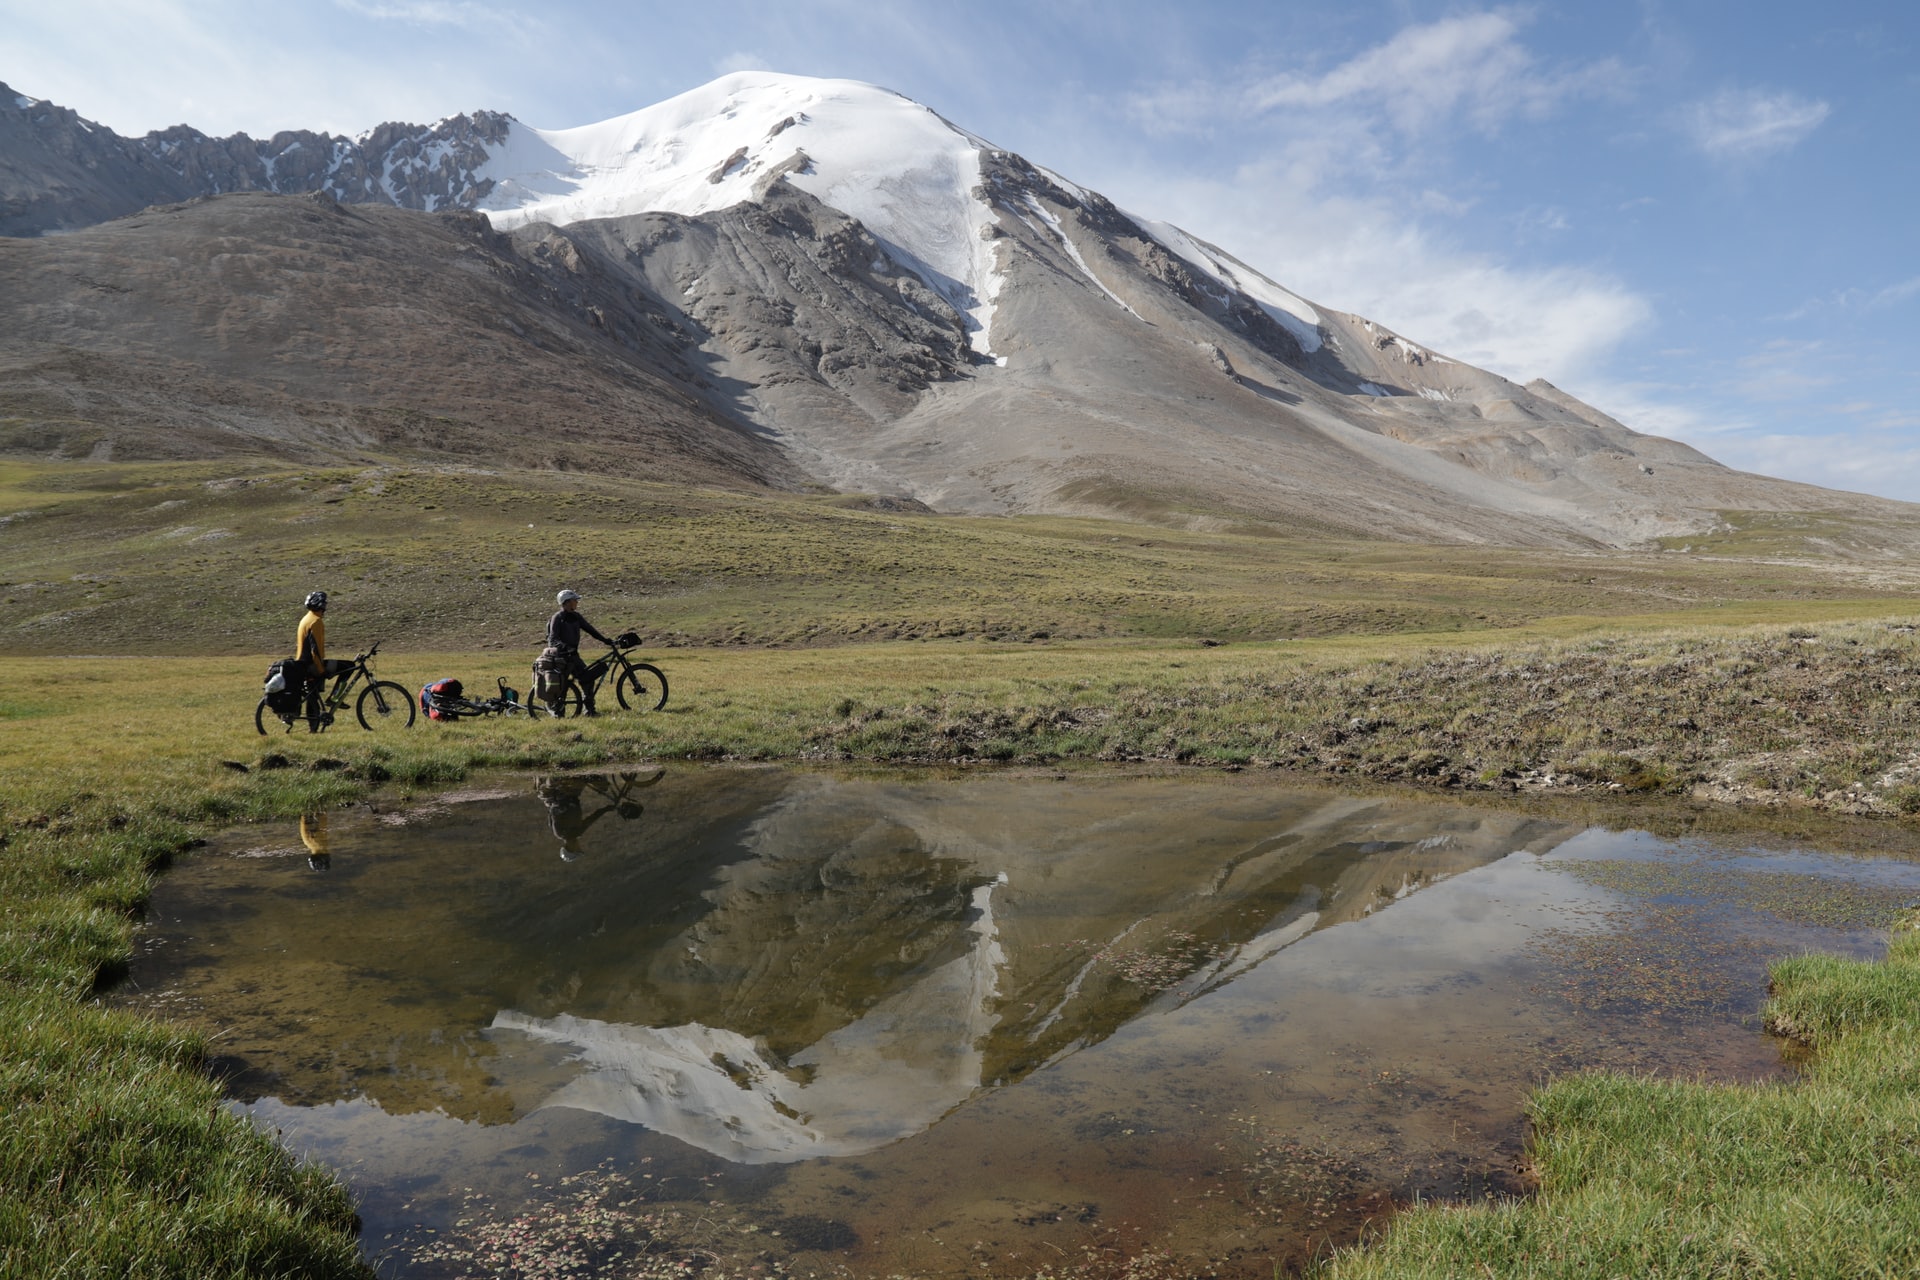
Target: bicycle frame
(611, 670)
(608, 668)
(335, 699)
(377, 700)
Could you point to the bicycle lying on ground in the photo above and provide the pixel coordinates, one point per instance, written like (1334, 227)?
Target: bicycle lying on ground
(640, 686)
(461, 707)
(382, 704)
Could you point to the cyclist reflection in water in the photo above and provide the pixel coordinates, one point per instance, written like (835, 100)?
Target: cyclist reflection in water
(567, 815)
(313, 834)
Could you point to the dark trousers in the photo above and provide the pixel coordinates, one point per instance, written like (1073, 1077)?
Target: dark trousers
(317, 684)
(576, 670)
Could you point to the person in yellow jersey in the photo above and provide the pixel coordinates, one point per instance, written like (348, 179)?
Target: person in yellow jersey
(310, 647)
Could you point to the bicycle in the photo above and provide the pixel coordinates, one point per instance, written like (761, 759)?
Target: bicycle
(506, 703)
(382, 704)
(640, 686)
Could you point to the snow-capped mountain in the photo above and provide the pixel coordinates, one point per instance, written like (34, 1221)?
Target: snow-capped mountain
(910, 178)
(898, 305)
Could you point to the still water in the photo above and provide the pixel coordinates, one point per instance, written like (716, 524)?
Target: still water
(759, 1021)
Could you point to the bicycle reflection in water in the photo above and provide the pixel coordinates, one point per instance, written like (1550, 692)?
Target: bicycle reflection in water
(566, 808)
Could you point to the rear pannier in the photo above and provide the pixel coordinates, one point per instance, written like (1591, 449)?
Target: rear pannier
(283, 685)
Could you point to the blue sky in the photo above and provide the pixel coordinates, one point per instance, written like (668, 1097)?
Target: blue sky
(1697, 215)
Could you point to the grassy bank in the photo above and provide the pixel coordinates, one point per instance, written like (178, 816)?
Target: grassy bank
(116, 1158)
(1646, 1178)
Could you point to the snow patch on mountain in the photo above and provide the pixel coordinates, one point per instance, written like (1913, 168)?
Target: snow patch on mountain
(909, 176)
(1288, 311)
(1073, 250)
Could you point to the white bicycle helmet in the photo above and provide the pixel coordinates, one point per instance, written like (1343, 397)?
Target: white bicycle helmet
(564, 596)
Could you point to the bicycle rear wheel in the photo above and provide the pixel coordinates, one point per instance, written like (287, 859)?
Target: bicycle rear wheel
(263, 713)
(572, 701)
(642, 687)
(385, 706)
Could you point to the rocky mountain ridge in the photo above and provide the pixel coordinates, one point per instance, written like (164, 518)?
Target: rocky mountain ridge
(61, 172)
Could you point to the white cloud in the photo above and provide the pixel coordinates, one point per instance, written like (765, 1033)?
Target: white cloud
(1894, 295)
(1882, 459)
(1887, 465)
(1662, 409)
(1426, 76)
(1335, 204)
(740, 60)
(1424, 80)
(1747, 124)
(1431, 201)
(1364, 256)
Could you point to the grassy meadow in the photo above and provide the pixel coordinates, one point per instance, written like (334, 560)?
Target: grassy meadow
(199, 558)
(1672, 687)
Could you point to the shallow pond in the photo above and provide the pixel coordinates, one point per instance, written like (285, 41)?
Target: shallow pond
(759, 1021)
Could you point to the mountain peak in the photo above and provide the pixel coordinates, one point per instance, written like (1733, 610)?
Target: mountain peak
(910, 177)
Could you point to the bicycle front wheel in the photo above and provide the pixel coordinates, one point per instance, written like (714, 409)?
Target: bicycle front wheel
(642, 687)
(384, 705)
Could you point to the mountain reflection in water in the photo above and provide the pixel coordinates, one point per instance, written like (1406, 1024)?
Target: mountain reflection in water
(766, 965)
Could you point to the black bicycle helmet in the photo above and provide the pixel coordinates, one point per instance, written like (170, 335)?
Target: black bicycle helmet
(317, 601)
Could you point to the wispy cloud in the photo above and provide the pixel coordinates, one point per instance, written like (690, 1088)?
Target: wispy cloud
(1471, 67)
(1882, 458)
(740, 60)
(1855, 299)
(1888, 465)
(419, 13)
(1749, 124)
(1894, 295)
(1364, 255)
(1425, 79)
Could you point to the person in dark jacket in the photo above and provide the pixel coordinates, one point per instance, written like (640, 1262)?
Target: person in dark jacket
(563, 633)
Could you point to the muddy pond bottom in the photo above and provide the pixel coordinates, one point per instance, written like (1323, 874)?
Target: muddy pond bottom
(762, 1022)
